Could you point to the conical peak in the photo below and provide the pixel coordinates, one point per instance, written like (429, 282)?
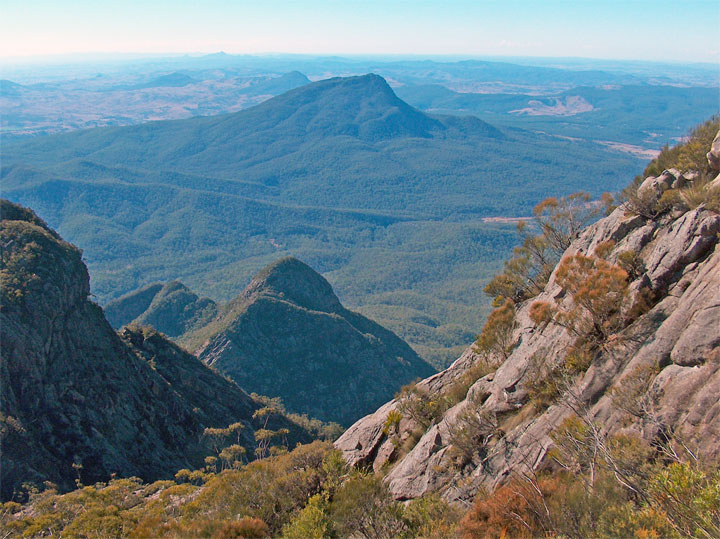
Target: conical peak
(295, 281)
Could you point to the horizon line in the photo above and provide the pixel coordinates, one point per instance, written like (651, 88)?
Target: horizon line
(80, 57)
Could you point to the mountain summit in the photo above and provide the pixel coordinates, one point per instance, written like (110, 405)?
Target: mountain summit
(294, 281)
(171, 308)
(287, 335)
(363, 107)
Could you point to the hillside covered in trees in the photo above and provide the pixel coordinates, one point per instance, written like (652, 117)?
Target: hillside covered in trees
(286, 335)
(81, 402)
(387, 202)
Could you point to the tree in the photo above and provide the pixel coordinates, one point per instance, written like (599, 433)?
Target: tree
(497, 334)
(559, 220)
(597, 289)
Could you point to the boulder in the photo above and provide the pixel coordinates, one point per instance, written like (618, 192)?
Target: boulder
(713, 156)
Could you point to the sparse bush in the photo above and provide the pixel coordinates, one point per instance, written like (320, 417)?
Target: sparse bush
(632, 263)
(363, 507)
(597, 289)
(431, 517)
(472, 431)
(313, 522)
(392, 422)
(507, 512)
(544, 383)
(560, 220)
(245, 528)
(701, 192)
(689, 155)
(420, 406)
(496, 337)
(458, 390)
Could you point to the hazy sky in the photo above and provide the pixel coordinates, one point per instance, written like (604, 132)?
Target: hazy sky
(678, 30)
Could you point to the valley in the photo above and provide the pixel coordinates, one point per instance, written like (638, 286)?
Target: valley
(387, 202)
(594, 379)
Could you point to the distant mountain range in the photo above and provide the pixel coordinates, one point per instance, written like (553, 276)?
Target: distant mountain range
(385, 200)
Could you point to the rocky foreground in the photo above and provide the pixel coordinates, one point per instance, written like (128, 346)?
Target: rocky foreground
(657, 376)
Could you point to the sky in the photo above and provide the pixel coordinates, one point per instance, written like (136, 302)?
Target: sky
(657, 30)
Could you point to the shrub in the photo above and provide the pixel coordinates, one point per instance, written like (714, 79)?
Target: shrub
(701, 192)
(363, 507)
(597, 288)
(689, 155)
(559, 220)
(544, 383)
(245, 528)
(496, 337)
(431, 517)
(472, 431)
(507, 512)
(632, 263)
(392, 422)
(313, 522)
(420, 406)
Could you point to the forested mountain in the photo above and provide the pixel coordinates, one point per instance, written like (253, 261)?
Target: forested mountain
(286, 335)
(384, 200)
(172, 309)
(81, 402)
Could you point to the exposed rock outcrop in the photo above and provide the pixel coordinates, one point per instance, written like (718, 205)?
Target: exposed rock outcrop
(713, 155)
(72, 391)
(675, 339)
(287, 335)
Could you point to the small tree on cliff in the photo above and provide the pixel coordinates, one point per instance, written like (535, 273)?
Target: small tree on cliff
(597, 289)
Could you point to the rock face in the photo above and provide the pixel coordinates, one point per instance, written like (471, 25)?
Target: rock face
(75, 392)
(675, 342)
(287, 335)
(172, 309)
(713, 155)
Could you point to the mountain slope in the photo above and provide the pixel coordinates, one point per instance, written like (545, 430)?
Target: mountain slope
(172, 309)
(644, 364)
(75, 392)
(287, 335)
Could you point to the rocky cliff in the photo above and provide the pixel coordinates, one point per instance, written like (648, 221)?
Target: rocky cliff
(74, 392)
(655, 373)
(287, 335)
